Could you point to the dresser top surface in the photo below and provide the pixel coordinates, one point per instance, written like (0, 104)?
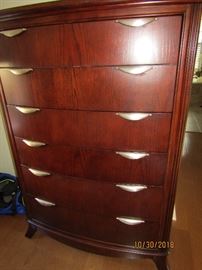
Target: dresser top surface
(72, 4)
(67, 11)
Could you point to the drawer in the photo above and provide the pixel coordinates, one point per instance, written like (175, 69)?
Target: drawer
(95, 43)
(93, 129)
(37, 46)
(107, 229)
(103, 88)
(95, 164)
(113, 43)
(95, 197)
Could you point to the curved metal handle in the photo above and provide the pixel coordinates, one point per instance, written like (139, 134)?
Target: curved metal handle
(13, 33)
(133, 155)
(134, 116)
(130, 220)
(131, 187)
(44, 203)
(33, 143)
(38, 173)
(136, 22)
(138, 70)
(20, 71)
(26, 110)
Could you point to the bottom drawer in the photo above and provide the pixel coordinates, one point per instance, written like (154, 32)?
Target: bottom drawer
(95, 227)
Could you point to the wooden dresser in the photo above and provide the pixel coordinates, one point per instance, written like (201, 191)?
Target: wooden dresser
(95, 95)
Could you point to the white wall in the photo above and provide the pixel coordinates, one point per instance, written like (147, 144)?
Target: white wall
(6, 161)
(15, 3)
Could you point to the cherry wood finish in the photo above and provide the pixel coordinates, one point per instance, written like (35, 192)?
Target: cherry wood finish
(30, 47)
(110, 43)
(30, 230)
(93, 226)
(182, 232)
(179, 50)
(89, 11)
(98, 88)
(161, 263)
(99, 198)
(89, 129)
(94, 163)
(94, 43)
(180, 110)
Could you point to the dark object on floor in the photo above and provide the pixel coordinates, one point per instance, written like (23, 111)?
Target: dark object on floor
(11, 201)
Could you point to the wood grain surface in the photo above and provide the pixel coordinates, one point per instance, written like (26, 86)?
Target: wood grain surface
(97, 88)
(94, 43)
(93, 129)
(94, 163)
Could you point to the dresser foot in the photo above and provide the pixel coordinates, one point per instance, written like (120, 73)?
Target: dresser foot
(30, 230)
(161, 263)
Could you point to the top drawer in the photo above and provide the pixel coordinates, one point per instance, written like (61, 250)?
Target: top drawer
(117, 42)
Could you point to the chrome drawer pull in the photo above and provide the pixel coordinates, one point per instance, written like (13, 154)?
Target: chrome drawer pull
(131, 187)
(20, 71)
(130, 220)
(13, 33)
(38, 173)
(33, 143)
(134, 116)
(44, 203)
(133, 155)
(141, 70)
(26, 110)
(136, 22)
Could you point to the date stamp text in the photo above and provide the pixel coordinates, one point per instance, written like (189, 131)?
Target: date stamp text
(154, 244)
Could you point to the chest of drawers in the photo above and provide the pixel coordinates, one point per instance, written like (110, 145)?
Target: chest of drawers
(95, 96)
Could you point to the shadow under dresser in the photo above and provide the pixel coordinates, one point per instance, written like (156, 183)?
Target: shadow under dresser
(95, 95)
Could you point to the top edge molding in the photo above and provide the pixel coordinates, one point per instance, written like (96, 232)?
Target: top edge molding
(32, 14)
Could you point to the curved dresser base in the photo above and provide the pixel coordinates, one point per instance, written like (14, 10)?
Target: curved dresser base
(98, 247)
(95, 97)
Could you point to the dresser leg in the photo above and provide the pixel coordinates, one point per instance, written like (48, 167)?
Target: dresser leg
(30, 230)
(161, 262)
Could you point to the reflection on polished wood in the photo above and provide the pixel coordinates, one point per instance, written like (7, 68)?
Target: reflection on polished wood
(186, 255)
(186, 231)
(142, 44)
(97, 88)
(194, 120)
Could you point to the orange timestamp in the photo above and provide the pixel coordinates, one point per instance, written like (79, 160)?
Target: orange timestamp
(154, 244)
